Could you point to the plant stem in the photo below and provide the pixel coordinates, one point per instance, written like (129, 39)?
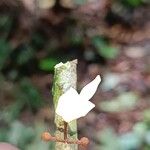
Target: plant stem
(64, 77)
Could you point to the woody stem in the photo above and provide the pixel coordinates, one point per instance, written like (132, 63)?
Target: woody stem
(65, 76)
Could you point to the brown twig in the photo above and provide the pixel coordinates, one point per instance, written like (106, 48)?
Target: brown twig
(65, 130)
(46, 136)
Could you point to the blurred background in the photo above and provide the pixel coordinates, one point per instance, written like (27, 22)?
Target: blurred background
(108, 37)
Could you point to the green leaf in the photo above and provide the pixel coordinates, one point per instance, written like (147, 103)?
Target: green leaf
(109, 52)
(134, 3)
(47, 64)
(104, 49)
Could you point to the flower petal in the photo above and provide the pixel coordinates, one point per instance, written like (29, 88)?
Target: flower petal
(87, 107)
(77, 109)
(67, 105)
(72, 113)
(89, 90)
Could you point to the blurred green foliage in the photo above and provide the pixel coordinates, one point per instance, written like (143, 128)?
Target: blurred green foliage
(133, 3)
(27, 93)
(38, 54)
(19, 134)
(132, 140)
(24, 136)
(25, 55)
(47, 64)
(103, 48)
(5, 51)
(5, 25)
(146, 115)
(24, 94)
(125, 101)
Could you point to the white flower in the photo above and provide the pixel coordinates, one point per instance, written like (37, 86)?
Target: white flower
(72, 105)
